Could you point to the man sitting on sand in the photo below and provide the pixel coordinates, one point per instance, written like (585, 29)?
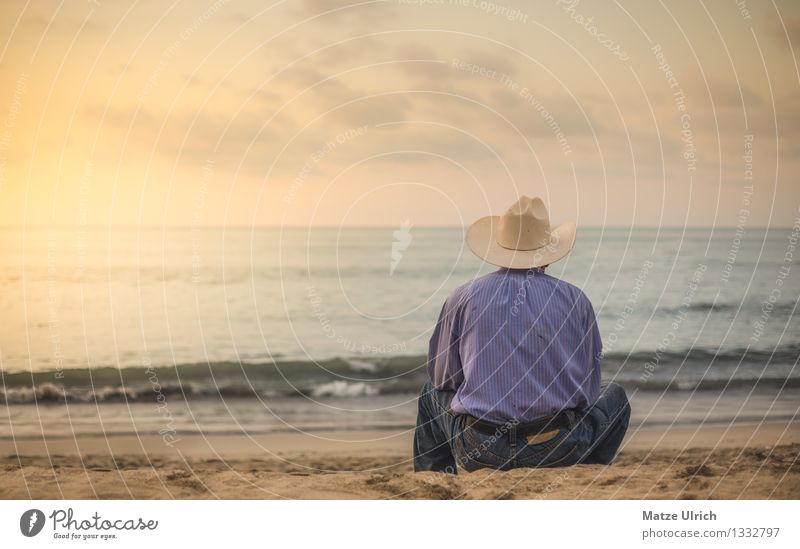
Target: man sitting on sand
(514, 360)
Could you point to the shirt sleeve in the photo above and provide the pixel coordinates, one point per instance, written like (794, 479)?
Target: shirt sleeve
(444, 360)
(593, 347)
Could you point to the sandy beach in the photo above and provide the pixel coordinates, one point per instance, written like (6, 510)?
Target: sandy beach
(740, 461)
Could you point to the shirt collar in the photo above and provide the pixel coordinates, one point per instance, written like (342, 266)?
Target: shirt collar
(531, 270)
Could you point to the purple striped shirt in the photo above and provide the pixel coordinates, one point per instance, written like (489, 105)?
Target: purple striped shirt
(516, 344)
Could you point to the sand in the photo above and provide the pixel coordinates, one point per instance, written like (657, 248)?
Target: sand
(747, 461)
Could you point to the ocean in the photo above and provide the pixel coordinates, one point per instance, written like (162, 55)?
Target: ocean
(283, 329)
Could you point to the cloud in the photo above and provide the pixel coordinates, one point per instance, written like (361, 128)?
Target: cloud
(785, 113)
(186, 136)
(724, 92)
(345, 10)
(349, 52)
(62, 22)
(415, 50)
(546, 114)
(500, 63)
(432, 140)
(791, 31)
(374, 110)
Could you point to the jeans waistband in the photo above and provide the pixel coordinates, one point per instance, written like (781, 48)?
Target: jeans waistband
(561, 420)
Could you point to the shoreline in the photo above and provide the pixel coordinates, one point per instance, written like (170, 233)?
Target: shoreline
(396, 413)
(640, 437)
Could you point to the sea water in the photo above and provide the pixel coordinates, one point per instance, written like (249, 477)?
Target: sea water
(294, 319)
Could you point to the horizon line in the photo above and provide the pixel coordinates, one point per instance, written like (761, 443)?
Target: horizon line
(38, 226)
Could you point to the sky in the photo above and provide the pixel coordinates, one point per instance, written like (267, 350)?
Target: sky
(380, 112)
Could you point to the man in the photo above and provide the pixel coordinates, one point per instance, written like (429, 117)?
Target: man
(514, 360)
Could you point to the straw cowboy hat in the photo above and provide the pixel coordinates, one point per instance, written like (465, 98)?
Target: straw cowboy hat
(521, 238)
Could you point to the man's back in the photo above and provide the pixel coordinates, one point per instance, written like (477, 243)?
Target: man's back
(516, 345)
(514, 360)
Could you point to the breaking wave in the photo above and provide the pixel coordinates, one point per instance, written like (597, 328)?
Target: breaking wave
(689, 369)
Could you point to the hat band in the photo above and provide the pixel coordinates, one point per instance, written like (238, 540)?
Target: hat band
(517, 249)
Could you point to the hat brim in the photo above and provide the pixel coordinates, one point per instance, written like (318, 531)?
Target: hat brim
(482, 240)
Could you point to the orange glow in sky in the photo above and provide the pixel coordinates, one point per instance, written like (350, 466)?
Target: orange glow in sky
(330, 112)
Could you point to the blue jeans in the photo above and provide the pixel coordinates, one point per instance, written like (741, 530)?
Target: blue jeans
(443, 443)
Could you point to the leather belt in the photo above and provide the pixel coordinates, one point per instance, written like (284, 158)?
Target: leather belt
(543, 426)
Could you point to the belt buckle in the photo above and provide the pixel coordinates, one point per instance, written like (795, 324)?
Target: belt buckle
(540, 438)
